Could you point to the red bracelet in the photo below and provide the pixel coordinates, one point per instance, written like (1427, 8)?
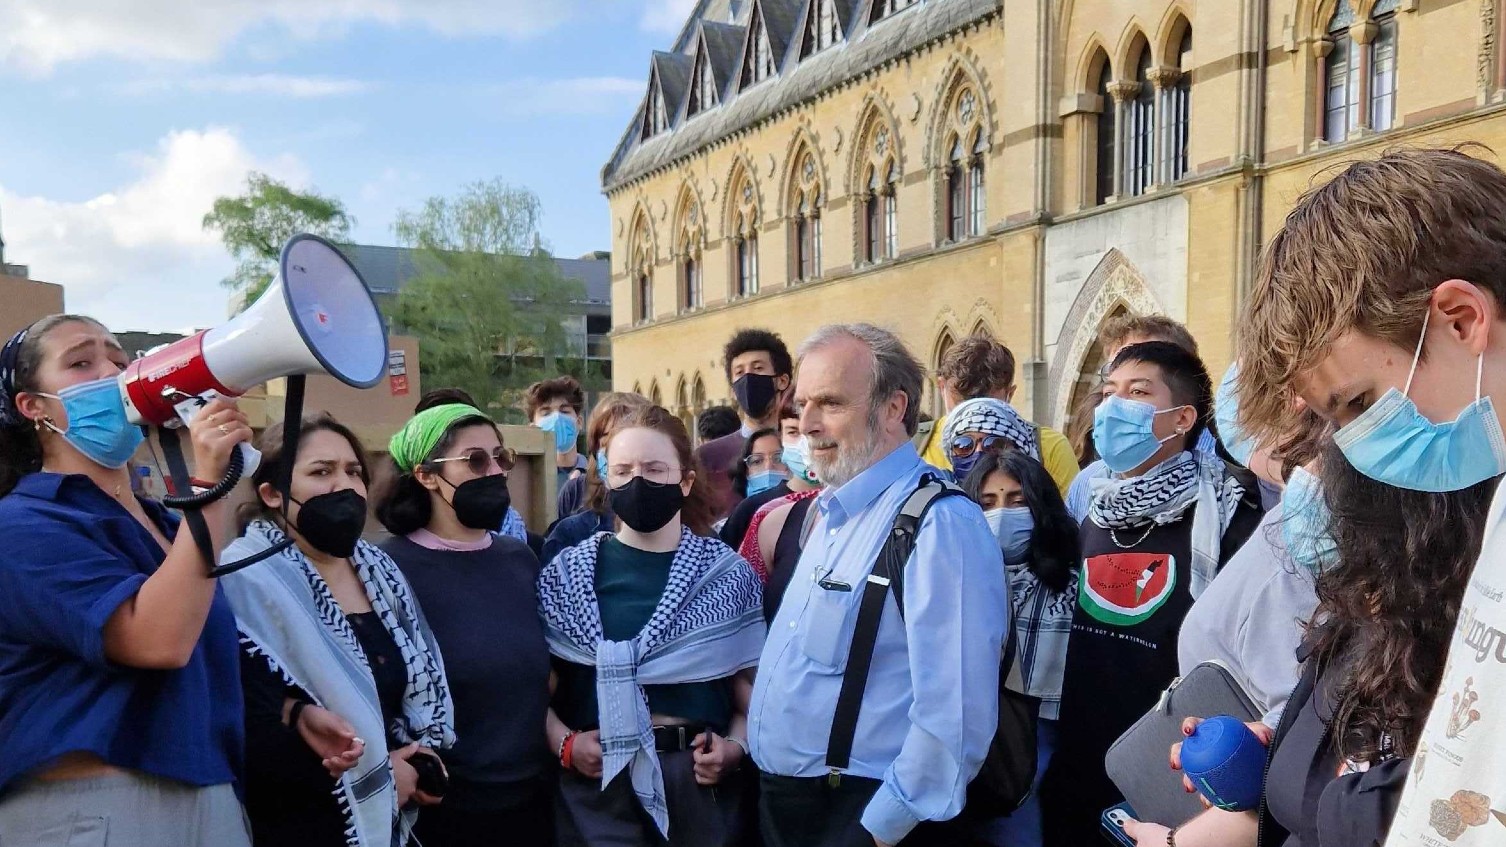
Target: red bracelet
(567, 752)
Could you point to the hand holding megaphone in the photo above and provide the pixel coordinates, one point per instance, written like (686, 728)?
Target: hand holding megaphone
(216, 428)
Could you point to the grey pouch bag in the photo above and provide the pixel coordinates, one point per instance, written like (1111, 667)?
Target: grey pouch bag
(1138, 761)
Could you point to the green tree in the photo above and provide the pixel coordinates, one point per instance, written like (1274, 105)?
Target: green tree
(255, 226)
(489, 303)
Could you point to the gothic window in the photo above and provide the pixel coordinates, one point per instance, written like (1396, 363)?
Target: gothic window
(688, 251)
(744, 237)
(1103, 187)
(1383, 66)
(805, 225)
(1181, 107)
(822, 28)
(758, 58)
(963, 184)
(1140, 162)
(645, 296)
(879, 221)
(703, 88)
(655, 119)
(884, 8)
(1341, 84)
(641, 268)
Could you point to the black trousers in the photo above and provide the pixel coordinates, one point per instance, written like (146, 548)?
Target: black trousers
(529, 822)
(810, 812)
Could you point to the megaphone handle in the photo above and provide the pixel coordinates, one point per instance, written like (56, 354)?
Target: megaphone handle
(250, 458)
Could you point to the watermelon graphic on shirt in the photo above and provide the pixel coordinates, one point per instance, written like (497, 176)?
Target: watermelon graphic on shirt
(1123, 589)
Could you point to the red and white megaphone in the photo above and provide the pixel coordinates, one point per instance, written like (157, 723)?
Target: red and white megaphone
(318, 317)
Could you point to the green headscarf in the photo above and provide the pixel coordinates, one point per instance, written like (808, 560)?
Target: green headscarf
(418, 438)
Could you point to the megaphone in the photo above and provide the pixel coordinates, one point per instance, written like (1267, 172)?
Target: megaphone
(318, 317)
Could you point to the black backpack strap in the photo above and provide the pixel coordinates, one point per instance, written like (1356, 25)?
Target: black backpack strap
(888, 569)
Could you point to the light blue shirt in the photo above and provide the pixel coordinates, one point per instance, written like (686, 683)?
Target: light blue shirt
(1080, 492)
(931, 705)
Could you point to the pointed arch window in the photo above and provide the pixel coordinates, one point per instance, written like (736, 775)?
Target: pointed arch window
(1140, 156)
(645, 296)
(891, 212)
(703, 90)
(977, 203)
(1383, 66)
(805, 227)
(1341, 84)
(1181, 108)
(879, 207)
(963, 185)
(1103, 182)
(745, 239)
(688, 252)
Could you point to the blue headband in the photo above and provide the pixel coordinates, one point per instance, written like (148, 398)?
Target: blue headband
(9, 414)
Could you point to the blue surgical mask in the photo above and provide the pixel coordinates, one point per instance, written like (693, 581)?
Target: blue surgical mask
(601, 462)
(797, 458)
(1391, 442)
(97, 424)
(1226, 413)
(1014, 528)
(1124, 432)
(1305, 522)
(761, 482)
(564, 429)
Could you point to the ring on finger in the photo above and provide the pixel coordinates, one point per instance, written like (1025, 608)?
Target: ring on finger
(224, 430)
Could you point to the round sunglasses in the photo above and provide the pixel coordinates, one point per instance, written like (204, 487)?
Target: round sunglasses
(963, 446)
(478, 461)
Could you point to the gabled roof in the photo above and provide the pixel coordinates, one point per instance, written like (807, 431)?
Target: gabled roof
(722, 43)
(845, 10)
(781, 18)
(669, 77)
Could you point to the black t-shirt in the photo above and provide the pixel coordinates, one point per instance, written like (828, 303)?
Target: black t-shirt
(483, 608)
(387, 668)
(1132, 597)
(736, 527)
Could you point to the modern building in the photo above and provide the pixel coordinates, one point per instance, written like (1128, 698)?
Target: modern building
(23, 300)
(387, 269)
(1026, 168)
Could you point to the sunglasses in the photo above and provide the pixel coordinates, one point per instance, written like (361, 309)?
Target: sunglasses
(964, 446)
(479, 461)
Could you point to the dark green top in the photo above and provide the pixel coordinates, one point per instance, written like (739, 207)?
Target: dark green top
(629, 585)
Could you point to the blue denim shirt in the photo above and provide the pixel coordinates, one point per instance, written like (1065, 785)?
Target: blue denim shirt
(931, 705)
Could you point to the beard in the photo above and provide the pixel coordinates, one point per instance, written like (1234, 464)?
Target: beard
(852, 458)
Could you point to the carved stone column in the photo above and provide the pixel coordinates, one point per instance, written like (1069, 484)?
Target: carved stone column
(1123, 92)
(1165, 80)
(1363, 34)
(1322, 48)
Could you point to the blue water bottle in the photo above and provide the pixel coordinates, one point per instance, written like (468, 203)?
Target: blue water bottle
(1225, 762)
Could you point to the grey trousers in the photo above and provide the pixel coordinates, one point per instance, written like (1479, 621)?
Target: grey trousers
(122, 810)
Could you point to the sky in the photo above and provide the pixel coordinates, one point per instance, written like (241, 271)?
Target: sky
(122, 120)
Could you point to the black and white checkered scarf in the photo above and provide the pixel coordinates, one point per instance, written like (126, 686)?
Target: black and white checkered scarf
(1163, 494)
(992, 417)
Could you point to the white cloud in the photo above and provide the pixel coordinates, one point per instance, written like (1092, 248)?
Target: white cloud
(274, 85)
(36, 35)
(579, 96)
(666, 16)
(136, 256)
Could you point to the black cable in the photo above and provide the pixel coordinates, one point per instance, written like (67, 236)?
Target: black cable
(193, 502)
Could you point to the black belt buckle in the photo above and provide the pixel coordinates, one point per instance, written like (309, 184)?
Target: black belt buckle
(674, 739)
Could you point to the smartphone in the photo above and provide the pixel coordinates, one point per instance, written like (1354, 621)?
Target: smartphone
(1113, 825)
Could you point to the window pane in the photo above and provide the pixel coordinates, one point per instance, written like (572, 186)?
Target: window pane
(975, 203)
(956, 203)
(1383, 76)
(816, 245)
(891, 229)
(1105, 159)
(1336, 104)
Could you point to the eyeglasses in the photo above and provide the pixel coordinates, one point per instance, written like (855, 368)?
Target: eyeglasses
(479, 461)
(966, 445)
(760, 462)
(655, 473)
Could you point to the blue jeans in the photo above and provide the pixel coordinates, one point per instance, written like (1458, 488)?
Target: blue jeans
(1023, 828)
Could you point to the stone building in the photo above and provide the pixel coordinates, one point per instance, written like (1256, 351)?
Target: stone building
(1026, 168)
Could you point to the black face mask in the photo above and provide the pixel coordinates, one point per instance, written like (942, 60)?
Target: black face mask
(481, 503)
(754, 393)
(333, 522)
(646, 507)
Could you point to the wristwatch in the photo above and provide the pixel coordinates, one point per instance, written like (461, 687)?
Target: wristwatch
(1171, 837)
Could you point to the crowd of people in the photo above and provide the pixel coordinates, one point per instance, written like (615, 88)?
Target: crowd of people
(835, 622)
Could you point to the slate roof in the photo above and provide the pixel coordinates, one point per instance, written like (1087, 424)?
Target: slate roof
(387, 269)
(723, 43)
(782, 18)
(867, 47)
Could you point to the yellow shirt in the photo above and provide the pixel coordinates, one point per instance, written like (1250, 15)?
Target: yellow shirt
(1056, 454)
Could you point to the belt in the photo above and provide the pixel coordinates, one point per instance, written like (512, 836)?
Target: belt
(675, 739)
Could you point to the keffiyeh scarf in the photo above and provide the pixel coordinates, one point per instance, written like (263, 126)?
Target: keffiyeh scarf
(708, 626)
(1163, 494)
(991, 417)
(288, 617)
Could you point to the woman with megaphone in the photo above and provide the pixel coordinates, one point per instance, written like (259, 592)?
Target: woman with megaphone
(346, 695)
(442, 499)
(120, 699)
